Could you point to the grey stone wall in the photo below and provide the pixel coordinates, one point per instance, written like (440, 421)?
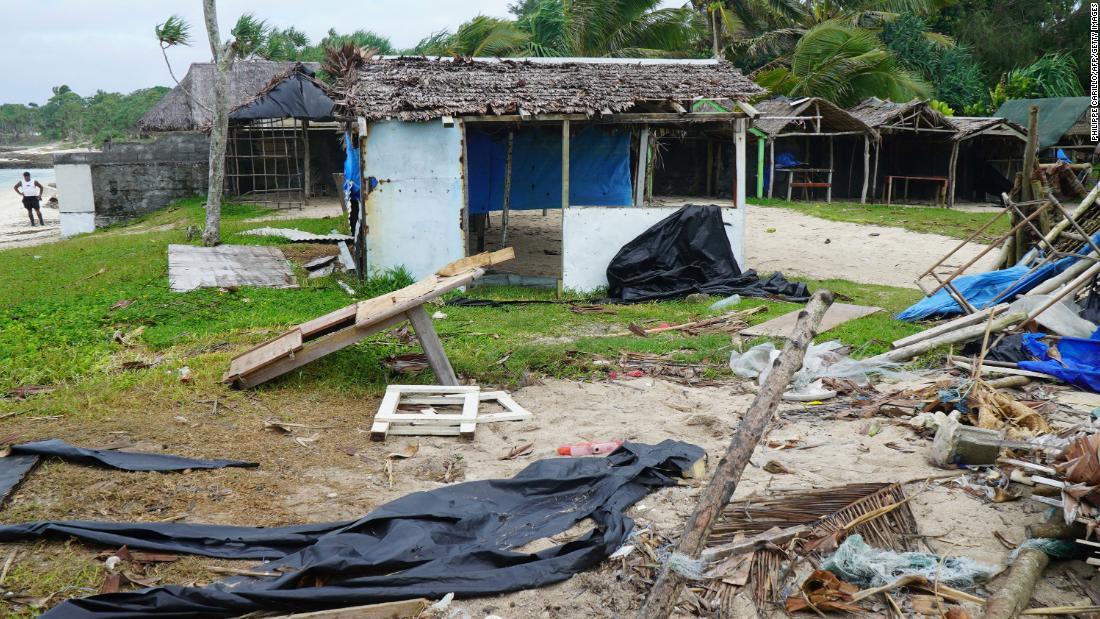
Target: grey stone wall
(134, 178)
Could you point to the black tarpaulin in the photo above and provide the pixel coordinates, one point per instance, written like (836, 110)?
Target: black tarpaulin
(685, 253)
(23, 458)
(460, 538)
(297, 96)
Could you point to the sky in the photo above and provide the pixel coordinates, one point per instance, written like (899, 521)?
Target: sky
(109, 45)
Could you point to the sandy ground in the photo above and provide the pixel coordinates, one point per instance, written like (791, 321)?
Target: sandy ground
(776, 239)
(15, 226)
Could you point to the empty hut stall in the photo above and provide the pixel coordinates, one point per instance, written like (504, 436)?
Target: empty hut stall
(283, 145)
(558, 158)
(990, 154)
(811, 149)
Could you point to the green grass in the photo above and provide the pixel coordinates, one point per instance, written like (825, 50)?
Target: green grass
(948, 222)
(57, 325)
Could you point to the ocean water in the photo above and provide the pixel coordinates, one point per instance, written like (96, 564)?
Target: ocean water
(8, 177)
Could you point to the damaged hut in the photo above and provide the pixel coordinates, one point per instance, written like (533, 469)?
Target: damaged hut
(1063, 125)
(445, 142)
(813, 146)
(919, 151)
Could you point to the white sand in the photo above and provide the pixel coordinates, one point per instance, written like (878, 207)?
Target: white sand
(15, 226)
(855, 252)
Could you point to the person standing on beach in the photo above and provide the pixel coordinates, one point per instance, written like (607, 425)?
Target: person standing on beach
(32, 193)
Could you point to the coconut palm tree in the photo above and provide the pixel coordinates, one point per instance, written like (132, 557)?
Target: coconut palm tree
(625, 28)
(842, 63)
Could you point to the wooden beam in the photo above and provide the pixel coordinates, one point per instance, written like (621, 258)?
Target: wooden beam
(306, 173)
(952, 166)
(630, 118)
(829, 189)
(740, 129)
(866, 168)
(476, 261)
(360, 234)
(771, 166)
(643, 159)
(507, 190)
(433, 348)
(565, 135)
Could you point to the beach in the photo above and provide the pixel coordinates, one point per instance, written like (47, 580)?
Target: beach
(15, 226)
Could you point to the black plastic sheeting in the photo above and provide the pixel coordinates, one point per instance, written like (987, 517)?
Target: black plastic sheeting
(458, 538)
(15, 467)
(685, 253)
(295, 97)
(1008, 349)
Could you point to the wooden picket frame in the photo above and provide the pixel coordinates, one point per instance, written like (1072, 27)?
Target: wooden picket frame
(388, 420)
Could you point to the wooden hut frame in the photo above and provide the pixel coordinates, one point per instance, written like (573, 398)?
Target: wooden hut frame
(812, 120)
(267, 162)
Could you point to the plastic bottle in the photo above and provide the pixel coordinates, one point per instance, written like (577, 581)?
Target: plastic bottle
(589, 449)
(729, 301)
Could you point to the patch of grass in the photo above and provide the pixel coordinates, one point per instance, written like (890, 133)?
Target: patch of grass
(948, 222)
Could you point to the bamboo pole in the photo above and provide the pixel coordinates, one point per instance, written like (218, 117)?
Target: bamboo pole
(643, 158)
(1013, 597)
(906, 353)
(953, 166)
(665, 593)
(866, 167)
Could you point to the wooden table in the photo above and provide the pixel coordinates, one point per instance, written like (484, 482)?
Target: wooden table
(808, 184)
(941, 195)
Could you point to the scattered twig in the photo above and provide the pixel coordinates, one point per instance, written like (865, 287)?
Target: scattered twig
(7, 565)
(236, 571)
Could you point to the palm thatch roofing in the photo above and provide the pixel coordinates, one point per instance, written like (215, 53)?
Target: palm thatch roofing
(421, 89)
(781, 115)
(189, 106)
(967, 126)
(885, 115)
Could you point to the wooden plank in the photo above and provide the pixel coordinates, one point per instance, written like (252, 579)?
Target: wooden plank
(315, 350)
(388, 407)
(266, 353)
(343, 317)
(400, 301)
(837, 315)
(484, 259)
(989, 369)
(404, 609)
(433, 348)
(469, 417)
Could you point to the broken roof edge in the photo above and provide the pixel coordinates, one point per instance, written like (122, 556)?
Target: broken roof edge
(777, 114)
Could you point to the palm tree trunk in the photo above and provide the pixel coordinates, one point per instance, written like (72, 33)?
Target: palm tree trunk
(714, 34)
(219, 125)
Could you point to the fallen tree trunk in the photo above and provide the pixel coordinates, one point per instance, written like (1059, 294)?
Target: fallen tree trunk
(1014, 595)
(665, 593)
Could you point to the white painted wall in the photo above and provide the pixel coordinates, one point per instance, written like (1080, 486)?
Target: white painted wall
(592, 235)
(75, 198)
(415, 213)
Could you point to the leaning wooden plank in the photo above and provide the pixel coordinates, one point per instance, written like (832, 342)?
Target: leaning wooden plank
(480, 260)
(400, 301)
(314, 350)
(343, 317)
(404, 609)
(265, 354)
(433, 348)
(837, 315)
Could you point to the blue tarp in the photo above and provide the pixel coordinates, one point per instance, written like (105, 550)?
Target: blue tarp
(1077, 361)
(984, 289)
(599, 169)
(351, 169)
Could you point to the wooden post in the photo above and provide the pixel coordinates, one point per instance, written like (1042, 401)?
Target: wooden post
(665, 593)
(759, 167)
(364, 189)
(565, 163)
(866, 168)
(1014, 596)
(952, 166)
(464, 216)
(643, 160)
(433, 348)
(829, 189)
(771, 169)
(651, 164)
(306, 190)
(507, 191)
(1031, 151)
(874, 172)
(740, 137)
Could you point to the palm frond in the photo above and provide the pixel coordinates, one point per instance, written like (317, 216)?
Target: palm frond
(174, 31)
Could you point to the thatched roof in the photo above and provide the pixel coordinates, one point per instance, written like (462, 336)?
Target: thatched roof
(187, 107)
(969, 125)
(776, 117)
(878, 113)
(419, 89)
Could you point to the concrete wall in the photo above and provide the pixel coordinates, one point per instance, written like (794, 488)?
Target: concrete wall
(128, 179)
(592, 235)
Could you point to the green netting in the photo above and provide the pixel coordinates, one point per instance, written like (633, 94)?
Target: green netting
(1056, 115)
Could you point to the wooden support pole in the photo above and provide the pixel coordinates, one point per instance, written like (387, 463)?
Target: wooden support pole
(643, 161)
(759, 167)
(866, 168)
(433, 348)
(651, 164)
(507, 191)
(306, 174)
(710, 167)
(740, 137)
(364, 189)
(771, 166)
(874, 172)
(829, 189)
(665, 593)
(952, 166)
